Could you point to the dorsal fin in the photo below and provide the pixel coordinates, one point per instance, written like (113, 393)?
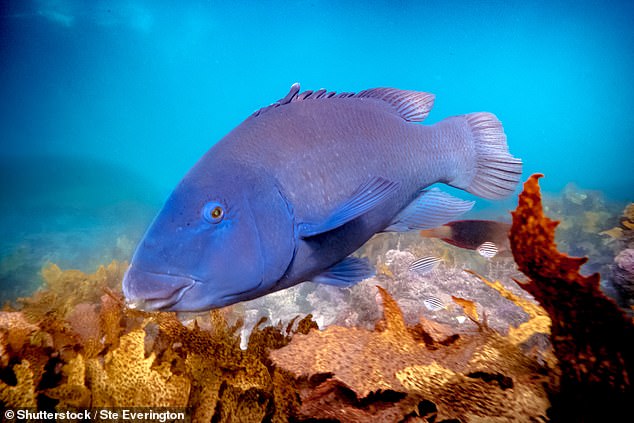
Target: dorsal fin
(413, 106)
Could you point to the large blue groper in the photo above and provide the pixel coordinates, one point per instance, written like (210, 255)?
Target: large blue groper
(291, 192)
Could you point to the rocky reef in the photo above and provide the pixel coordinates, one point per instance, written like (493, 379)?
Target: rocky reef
(495, 346)
(623, 268)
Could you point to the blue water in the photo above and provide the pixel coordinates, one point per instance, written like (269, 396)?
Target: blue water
(105, 105)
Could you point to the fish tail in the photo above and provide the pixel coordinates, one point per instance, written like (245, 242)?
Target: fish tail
(494, 172)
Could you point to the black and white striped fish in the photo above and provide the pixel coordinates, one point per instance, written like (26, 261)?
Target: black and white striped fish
(433, 304)
(424, 265)
(488, 250)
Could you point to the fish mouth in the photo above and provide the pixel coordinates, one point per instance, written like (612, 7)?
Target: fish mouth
(165, 303)
(155, 291)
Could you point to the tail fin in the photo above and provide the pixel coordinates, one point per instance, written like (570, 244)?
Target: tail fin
(496, 172)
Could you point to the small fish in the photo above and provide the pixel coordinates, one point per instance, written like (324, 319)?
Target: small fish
(488, 250)
(471, 234)
(290, 193)
(424, 265)
(433, 304)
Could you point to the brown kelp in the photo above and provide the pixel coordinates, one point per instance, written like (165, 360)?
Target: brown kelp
(591, 336)
(395, 372)
(74, 345)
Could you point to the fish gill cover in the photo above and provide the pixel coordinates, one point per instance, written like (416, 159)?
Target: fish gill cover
(74, 345)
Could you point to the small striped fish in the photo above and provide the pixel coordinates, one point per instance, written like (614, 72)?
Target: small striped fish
(488, 250)
(424, 265)
(433, 304)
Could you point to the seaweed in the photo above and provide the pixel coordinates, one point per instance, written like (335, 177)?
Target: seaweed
(74, 345)
(475, 376)
(590, 335)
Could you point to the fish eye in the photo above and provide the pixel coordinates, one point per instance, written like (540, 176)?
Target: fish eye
(213, 212)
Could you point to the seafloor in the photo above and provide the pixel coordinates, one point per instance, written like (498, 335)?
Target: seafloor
(521, 337)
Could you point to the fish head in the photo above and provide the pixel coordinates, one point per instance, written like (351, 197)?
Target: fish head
(218, 240)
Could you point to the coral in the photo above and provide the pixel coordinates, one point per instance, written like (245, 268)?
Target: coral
(590, 334)
(491, 375)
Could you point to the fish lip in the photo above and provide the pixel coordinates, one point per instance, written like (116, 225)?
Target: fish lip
(231, 297)
(157, 304)
(169, 298)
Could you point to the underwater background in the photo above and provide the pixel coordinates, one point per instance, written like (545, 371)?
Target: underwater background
(105, 105)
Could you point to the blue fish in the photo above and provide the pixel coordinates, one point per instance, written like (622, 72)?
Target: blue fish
(297, 187)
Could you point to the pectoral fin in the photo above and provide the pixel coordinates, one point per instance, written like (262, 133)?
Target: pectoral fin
(347, 272)
(364, 199)
(430, 209)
